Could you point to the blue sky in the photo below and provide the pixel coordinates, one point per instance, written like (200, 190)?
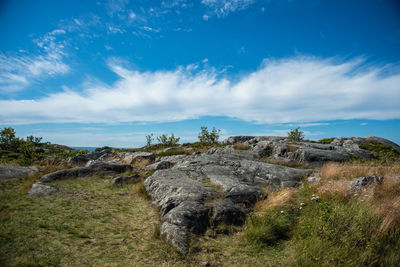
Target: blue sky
(94, 73)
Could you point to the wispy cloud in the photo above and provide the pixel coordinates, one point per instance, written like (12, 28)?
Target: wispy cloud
(301, 89)
(20, 70)
(222, 8)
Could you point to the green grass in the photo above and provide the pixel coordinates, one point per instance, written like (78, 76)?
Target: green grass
(325, 232)
(326, 140)
(90, 223)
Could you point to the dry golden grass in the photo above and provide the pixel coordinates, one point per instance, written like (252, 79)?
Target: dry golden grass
(282, 198)
(141, 163)
(242, 146)
(336, 171)
(383, 197)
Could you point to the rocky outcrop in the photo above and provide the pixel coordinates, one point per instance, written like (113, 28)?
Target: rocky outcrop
(102, 168)
(222, 185)
(16, 172)
(216, 187)
(83, 159)
(41, 190)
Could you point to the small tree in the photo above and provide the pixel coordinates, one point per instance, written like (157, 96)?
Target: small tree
(149, 139)
(296, 135)
(207, 137)
(168, 140)
(8, 140)
(35, 140)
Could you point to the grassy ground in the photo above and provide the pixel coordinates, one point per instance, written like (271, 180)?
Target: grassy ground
(91, 223)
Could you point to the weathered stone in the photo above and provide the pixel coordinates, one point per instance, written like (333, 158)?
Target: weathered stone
(41, 190)
(169, 188)
(176, 236)
(16, 172)
(82, 159)
(103, 168)
(173, 159)
(160, 165)
(362, 183)
(317, 157)
(263, 148)
(190, 215)
(225, 211)
(313, 179)
(240, 138)
(124, 179)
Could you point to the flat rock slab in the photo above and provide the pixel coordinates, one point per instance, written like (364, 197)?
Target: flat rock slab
(41, 190)
(16, 172)
(103, 168)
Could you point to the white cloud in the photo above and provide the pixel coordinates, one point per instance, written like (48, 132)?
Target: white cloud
(222, 8)
(19, 71)
(301, 89)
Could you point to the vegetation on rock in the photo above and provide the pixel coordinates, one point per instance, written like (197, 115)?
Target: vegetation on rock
(296, 135)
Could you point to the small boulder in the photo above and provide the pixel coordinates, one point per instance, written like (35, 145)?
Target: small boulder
(160, 165)
(16, 172)
(225, 211)
(313, 179)
(41, 190)
(362, 183)
(176, 236)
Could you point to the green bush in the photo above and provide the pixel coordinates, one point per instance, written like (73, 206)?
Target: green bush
(296, 135)
(208, 138)
(168, 140)
(8, 140)
(381, 151)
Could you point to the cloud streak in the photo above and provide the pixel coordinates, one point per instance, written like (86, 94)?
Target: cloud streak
(301, 89)
(19, 71)
(223, 8)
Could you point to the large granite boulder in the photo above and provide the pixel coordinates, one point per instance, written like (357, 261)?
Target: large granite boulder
(219, 186)
(16, 172)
